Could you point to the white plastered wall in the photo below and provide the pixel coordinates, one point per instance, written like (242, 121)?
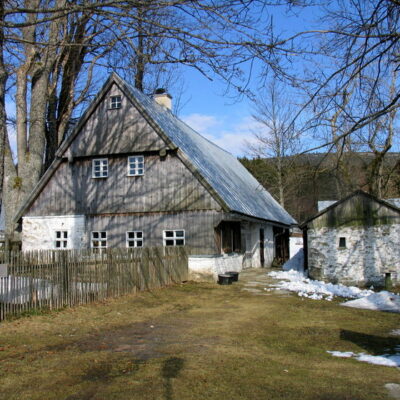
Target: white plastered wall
(252, 242)
(38, 233)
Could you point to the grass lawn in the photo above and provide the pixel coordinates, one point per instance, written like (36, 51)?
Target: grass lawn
(197, 341)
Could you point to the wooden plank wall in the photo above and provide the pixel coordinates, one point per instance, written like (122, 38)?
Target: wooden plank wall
(167, 185)
(55, 279)
(357, 211)
(198, 227)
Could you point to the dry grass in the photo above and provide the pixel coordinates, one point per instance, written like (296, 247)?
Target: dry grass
(196, 341)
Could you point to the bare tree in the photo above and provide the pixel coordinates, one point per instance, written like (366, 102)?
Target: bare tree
(276, 138)
(56, 47)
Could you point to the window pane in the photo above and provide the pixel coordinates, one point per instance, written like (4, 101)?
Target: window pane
(65, 234)
(58, 234)
(139, 243)
(95, 235)
(139, 234)
(169, 242)
(180, 242)
(65, 245)
(103, 235)
(169, 233)
(179, 234)
(131, 243)
(103, 243)
(57, 244)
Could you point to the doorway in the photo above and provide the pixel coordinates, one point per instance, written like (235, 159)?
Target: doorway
(262, 257)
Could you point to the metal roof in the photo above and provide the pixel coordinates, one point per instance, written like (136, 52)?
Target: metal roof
(240, 191)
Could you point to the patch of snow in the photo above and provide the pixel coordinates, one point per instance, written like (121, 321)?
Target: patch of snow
(388, 360)
(295, 281)
(296, 263)
(395, 332)
(383, 301)
(343, 354)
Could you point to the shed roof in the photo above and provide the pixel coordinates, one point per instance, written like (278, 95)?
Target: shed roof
(231, 181)
(341, 201)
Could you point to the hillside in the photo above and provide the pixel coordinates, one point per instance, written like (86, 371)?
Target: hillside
(309, 178)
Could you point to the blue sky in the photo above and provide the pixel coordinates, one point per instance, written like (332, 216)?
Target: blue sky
(221, 118)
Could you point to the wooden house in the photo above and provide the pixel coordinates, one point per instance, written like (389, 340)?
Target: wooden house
(354, 241)
(132, 174)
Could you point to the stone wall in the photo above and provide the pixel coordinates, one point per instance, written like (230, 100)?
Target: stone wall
(370, 253)
(38, 233)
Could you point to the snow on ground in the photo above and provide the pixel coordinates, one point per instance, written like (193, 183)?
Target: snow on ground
(383, 301)
(389, 360)
(292, 278)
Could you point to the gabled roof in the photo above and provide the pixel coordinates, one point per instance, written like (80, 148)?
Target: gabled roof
(224, 174)
(341, 201)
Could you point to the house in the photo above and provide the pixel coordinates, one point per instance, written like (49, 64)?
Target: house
(131, 174)
(354, 241)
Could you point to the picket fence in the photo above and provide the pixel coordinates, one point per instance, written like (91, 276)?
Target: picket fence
(51, 279)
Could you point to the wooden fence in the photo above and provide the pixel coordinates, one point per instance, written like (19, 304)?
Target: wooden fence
(54, 279)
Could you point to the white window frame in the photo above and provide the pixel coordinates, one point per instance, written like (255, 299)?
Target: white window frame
(174, 237)
(63, 239)
(103, 170)
(136, 240)
(134, 165)
(115, 102)
(101, 238)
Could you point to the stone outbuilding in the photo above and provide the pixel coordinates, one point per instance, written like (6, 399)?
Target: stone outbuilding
(354, 241)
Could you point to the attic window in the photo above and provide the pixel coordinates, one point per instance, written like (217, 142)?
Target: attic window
(100, 168)
(342, 243)
(174, 238)
(135, 165)
(115, 102)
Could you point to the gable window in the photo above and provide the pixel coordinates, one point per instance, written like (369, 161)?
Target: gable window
(174, 237)
(115, 102)
(342, 243)
(99, 240)
(100, 168)
(135, 165)
(61, 240)
(134, 239)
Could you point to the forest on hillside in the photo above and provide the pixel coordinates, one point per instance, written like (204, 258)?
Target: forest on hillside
(309, 178)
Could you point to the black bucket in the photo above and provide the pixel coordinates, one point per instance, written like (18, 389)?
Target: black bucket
(234, 275)
(224, 279)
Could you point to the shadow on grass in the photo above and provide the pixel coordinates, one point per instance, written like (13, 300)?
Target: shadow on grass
(171, 369)
(375, 345)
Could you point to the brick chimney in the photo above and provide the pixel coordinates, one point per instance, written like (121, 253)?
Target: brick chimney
(163, 98)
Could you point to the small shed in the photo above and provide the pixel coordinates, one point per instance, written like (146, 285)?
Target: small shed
(354, 241)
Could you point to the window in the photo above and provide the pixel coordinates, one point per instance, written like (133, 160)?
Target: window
(134, 239)
(174, 238)
(342, 243)
(61, 239)
(99, 240)
(135, 165)
(100, 168)
(115, 102)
